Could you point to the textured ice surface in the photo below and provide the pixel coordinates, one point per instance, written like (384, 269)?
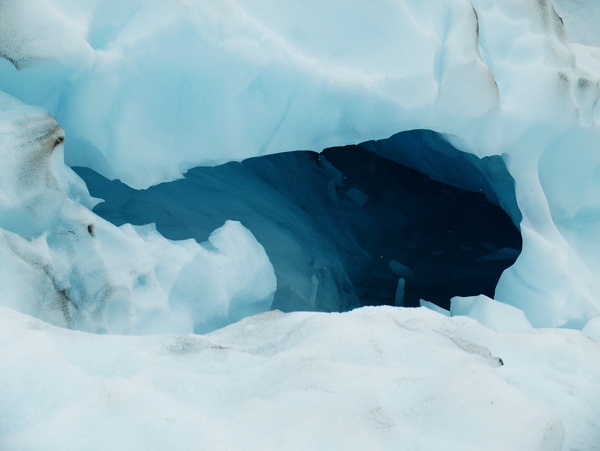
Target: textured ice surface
(146, 90)
(375, 378)
(65, 265)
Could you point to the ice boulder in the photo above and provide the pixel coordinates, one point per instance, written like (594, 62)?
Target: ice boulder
(490, 313)
(592, 329)
(65, 265)
(431, 306)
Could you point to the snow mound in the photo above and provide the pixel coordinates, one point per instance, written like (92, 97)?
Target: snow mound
(376, 378)
(490, 313)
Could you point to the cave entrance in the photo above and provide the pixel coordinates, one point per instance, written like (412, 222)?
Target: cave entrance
(347, 227)
(442, 240)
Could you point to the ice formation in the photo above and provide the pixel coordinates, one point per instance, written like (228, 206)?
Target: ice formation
(65, 265)
(146, 90)
(329, 252)
(490, 313)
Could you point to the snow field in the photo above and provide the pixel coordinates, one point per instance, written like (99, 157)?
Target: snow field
(382, 378)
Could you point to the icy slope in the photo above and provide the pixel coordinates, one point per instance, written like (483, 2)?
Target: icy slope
(146, 90)
(65, 265)
(375, 378)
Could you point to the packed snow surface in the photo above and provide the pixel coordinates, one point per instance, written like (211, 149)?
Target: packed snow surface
(375, 378)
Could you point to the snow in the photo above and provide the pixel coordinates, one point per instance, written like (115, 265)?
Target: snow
(377, 378)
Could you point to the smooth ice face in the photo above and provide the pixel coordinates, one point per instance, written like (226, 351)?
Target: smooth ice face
(65, 265)
(592, 329)
(146, 90)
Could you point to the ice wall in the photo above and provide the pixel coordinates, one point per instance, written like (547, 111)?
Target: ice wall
(146, 90)
(65, 265)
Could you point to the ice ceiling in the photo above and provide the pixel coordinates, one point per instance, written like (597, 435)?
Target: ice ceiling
(143, 91)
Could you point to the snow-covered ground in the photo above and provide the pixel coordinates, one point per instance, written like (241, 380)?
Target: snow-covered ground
(376, 378)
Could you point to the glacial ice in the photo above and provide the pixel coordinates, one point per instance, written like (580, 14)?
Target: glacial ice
(592, 329)
(490, 313)
(67, 266)
(434, 307)
(146, 90)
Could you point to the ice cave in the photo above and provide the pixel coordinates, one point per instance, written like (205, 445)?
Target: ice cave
(355, 224)
(317, 225)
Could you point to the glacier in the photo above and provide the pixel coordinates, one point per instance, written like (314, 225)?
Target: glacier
(340, 227)
(144, 91)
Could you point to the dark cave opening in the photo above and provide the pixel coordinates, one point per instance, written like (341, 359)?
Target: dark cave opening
(341, 228)
(455, 242)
